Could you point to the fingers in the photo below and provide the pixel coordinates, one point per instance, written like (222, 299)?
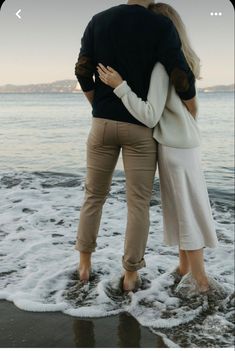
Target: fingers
(102, 75)
(106, 74)
(107, 69)
(103, 80)
(100, 70)
(110, 69)
(103, 68)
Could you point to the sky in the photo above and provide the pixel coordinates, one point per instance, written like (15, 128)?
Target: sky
(43, 45)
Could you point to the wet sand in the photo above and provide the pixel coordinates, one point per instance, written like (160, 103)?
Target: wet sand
(53, 329)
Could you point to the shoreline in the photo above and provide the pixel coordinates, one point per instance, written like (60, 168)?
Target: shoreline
(20, 328)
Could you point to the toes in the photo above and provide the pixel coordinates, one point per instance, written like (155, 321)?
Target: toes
(84, 281)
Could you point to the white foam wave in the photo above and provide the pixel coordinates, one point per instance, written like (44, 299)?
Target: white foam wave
(38, 261)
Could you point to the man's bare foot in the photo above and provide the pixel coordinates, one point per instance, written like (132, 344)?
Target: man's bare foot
(84, 268)
(130, 280)
(84, 273)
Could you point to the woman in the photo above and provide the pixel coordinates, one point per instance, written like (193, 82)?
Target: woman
(186, 208)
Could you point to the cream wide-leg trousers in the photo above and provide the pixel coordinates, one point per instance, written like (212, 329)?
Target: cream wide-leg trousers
(187, 216)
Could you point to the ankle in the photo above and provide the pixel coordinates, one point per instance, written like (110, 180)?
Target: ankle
(201, 279)
(182, 270)
(85, 257)
(83, 266)
(130, 274)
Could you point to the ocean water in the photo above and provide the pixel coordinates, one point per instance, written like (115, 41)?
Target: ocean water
(42, 173)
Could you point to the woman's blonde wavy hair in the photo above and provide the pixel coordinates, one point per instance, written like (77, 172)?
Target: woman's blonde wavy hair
(190, 55)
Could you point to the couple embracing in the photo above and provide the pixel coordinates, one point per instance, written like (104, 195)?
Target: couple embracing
(137, 68)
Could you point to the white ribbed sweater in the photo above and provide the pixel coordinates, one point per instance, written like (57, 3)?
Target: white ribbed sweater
(164, 111)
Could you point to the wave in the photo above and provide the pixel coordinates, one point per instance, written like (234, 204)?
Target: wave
(39, 217)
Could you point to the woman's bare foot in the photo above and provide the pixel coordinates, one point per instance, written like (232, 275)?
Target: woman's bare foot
(182, 271)
(84, 267)
(130, 280)
(203, 284)
(197, 268)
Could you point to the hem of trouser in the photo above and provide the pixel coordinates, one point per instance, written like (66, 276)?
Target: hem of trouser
(133, 266)
(81, 246)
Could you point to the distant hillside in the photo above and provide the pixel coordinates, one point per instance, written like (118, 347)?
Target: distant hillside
(72, 86)
(218, 88)
(60, 86)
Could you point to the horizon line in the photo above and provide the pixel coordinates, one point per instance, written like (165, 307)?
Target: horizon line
(74, 80)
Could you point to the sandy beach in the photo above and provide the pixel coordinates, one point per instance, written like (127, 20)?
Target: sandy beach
(53, 329)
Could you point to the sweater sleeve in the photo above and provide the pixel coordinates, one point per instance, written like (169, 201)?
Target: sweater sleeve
(147, 112)
(85, 67)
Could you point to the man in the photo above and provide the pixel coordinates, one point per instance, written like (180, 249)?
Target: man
(131, 39)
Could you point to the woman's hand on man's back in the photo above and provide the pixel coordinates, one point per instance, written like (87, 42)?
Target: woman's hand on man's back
(109, 76)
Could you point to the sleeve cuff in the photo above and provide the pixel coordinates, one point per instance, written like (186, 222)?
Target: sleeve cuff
(122, 89)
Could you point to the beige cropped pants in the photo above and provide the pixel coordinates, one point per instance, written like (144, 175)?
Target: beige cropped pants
(139, 152)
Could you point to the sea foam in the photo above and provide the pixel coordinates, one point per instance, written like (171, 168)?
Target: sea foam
(39, 218)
